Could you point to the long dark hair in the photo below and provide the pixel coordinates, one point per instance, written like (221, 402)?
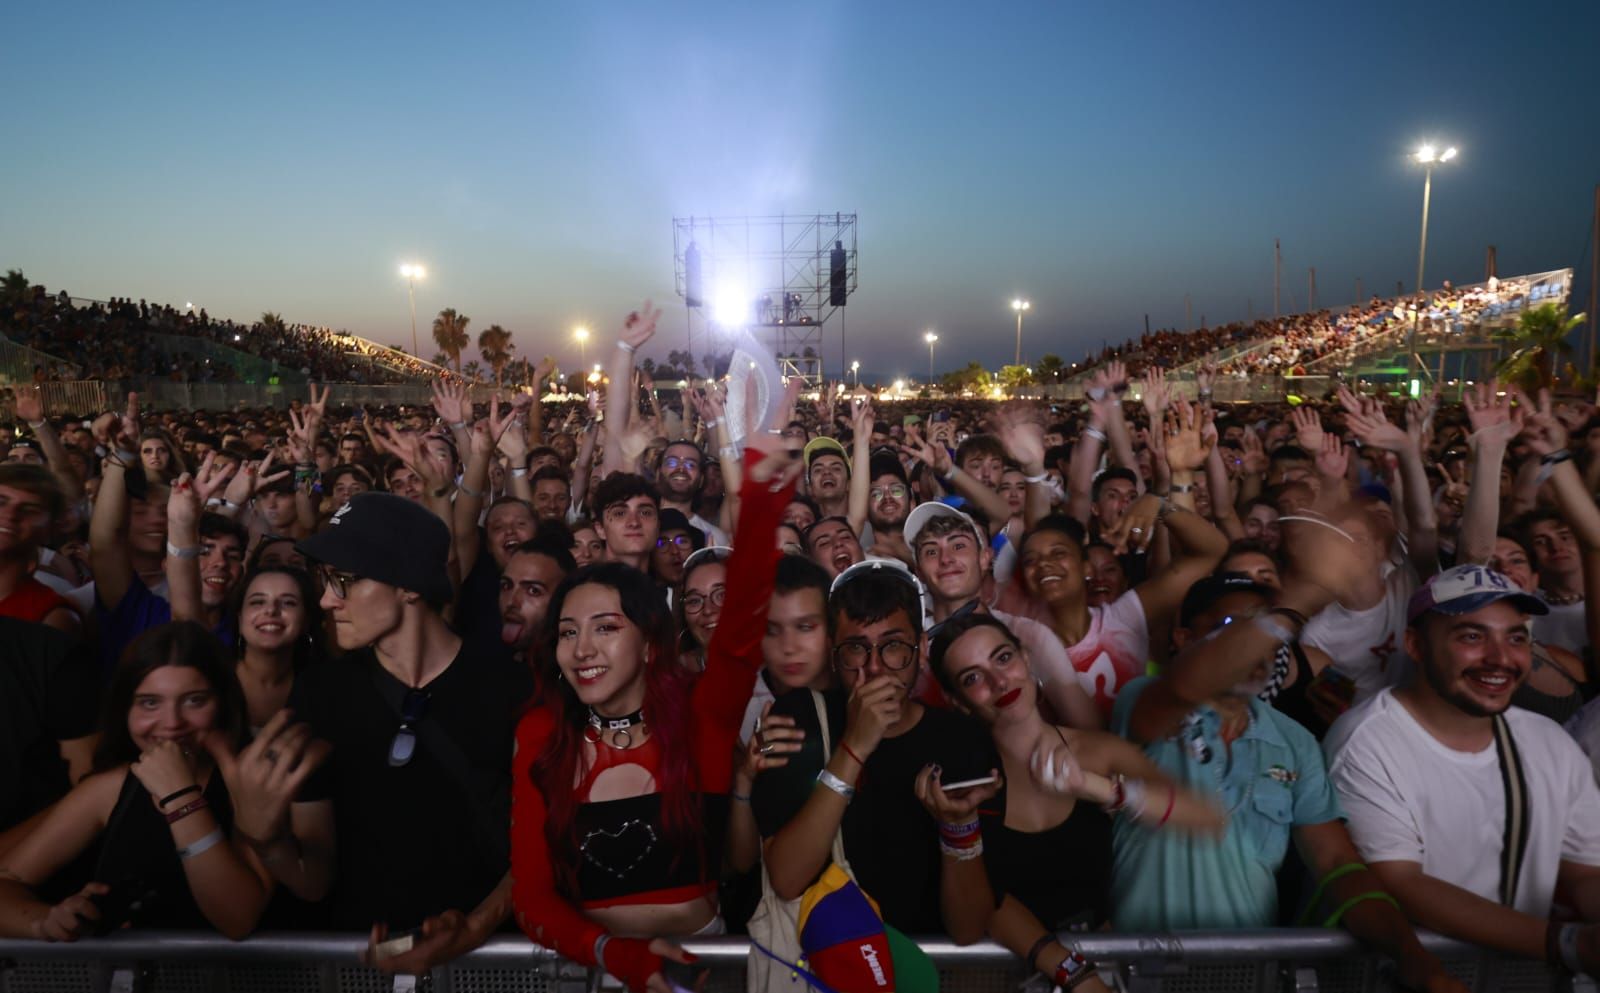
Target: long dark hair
(666, 709)
(308, 648)
(180, 643)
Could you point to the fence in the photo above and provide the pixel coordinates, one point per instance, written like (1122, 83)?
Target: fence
(1313, 961)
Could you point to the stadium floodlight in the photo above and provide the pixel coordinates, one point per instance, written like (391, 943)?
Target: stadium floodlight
(1428, 156)
(413, 272)
(1019, 305)
(582, 334)
(855, 370)
(930, 338)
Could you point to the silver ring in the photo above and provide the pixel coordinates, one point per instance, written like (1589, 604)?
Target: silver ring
(766, 749)
(1137, 530)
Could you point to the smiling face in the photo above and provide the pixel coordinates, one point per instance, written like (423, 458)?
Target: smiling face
(1107, 579)
(600, 651)
(888, 503)
(799, 516)
(273, 615)
(551, 498)
(1475, 661)
(1116, 496)
(828, 477)
(834, 546)
(952, 565)
(702, 600)
(1014, 490)
(990, 673)
(172, 703)
(795, 647)
(680, 475)
(1512, 562)
(985, 468)
(221, 565)
(1261, 524)
(24, 520)
(1053, 567)
(147, 525)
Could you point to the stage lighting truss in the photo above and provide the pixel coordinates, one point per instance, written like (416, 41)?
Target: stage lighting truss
(772, 274)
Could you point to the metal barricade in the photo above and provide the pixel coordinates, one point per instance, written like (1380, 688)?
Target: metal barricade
(1315, 961)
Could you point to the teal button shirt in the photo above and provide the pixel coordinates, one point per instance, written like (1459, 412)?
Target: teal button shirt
(1271, 781)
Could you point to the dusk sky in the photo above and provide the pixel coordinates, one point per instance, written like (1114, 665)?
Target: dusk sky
(1101, 159)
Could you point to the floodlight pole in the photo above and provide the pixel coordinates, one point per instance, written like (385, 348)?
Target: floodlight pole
(1422, 258)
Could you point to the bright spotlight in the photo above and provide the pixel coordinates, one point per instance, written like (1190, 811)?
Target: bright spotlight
(1449, 154)
(730, 306)
(1427, 153)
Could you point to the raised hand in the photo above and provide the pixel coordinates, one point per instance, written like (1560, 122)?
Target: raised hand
(163, 769)
(1541, 428)
(1155, 394)
(861, 418)
(510, 434)
(410, 448)
(637, 437)
(1308, 431)
(1369, 424)
(1332, 459)
(1138, 526)
(1254, 460)
(542, 371)
(1019, 428)
(932, 454)
(450, 401)
(1055, 768)
(1494, 418)
(130, 423)
(183, 503)
(1204, 377)
(640, 325)
(777, 466)
(317, 409)
(1186, 446)
(29, 404)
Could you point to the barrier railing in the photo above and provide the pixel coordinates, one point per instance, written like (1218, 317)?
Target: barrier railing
(1314, 961)
(17, 362)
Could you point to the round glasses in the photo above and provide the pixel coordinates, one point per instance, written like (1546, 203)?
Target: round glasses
(894, 654)
(696, 602)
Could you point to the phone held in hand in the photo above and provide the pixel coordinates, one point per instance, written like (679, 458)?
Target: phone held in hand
(967, 784)
(397, 944)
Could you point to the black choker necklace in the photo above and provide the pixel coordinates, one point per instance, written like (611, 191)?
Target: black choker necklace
(616, 727)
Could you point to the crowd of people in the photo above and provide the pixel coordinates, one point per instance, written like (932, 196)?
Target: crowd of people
(1287, 345)
(618, 673)
(111, 341)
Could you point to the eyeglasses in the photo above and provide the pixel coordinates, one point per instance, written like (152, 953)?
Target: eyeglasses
(681, 541)
(894, 654)
(696, 602)
(675, 462)
(404, 745)
(338, 582)
(879, 492)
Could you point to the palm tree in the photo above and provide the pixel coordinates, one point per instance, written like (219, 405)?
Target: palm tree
(272, 323)
(473, 370)
(1050, 367)
(495, 344)
(14, 289)
(1541, 334)
(450, 332)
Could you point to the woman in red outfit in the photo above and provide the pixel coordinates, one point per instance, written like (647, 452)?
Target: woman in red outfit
(622, 771)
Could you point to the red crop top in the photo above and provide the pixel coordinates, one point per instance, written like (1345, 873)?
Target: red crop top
(626, 858)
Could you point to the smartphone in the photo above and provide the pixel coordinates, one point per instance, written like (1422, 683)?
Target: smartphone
(967, 784)
(397, 944)
(120, 906)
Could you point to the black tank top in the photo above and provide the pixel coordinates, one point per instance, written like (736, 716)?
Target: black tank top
(1061, 874)
(139, 860)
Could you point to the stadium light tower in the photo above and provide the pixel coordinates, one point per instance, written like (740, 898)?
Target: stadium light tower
(930, 338)
(1428, 156)
(582, 334)
(1019, 305)
(855, 370)
(412, 273)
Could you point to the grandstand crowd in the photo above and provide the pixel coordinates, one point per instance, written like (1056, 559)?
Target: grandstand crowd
(111, 340)
(619, 673)
(1288, 345)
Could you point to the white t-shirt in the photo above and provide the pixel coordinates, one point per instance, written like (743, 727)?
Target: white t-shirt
(1112, 653)
(1409, 798)
(1565, 627)
(714, 535)
(1368, 645)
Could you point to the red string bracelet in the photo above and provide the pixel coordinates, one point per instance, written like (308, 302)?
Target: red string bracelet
(847, 750)
(1172, 798)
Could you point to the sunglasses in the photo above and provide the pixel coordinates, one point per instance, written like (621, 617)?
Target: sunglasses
(404, 745)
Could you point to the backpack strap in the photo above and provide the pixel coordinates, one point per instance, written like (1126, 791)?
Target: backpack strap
(1515, 837)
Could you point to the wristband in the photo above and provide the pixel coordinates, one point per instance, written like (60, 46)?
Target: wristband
(469, 491)
(200, 845)
(1043, 477)
(837, 785)
(182, 553)
(1567, 943)
(1073, 971)
(519, 473)
(198, 803)
(1095, 433)
(124, 456)
(229, 504)
(36, 425)
(950, 476)
(739, 797)
(963, 854)
(162, 803)
(1096, 393)
(1039, 946)
(1556, 457)
(1204, 394)
(458, 425)
(1181, 488)
(713, 422)
(625, 346)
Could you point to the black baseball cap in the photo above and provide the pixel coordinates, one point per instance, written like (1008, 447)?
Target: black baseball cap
(1212, 588)
(387, 538)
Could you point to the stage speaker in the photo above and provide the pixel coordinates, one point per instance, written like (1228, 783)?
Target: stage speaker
(838, 282)
(693, 293)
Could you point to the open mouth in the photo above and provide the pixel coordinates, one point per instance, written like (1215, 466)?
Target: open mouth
(1008, 698)
(1493, 682)
(591, 674)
